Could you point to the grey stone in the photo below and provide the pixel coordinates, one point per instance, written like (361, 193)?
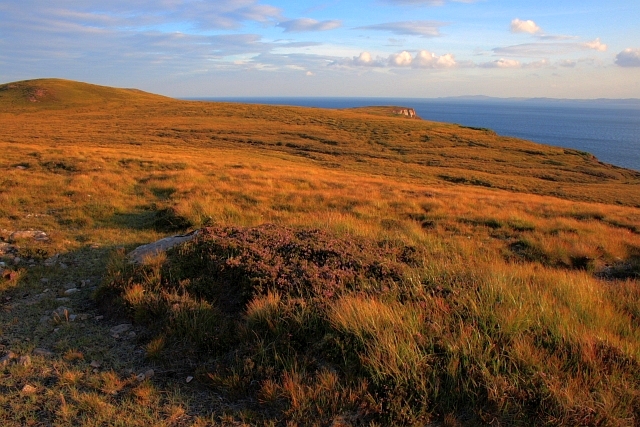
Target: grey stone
(37, 235)
(71, 291)
(139, 254)
(117, 330)
(43, 352)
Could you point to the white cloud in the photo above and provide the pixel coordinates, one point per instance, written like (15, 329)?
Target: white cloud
(306, 24)
(596, 45)
(519, 26)
(411, 28)
(423, 59)
(426, 59)
(502, 63)
(628, 58)
(402, 59)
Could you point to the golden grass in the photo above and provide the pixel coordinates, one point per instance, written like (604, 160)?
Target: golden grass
(525, 285)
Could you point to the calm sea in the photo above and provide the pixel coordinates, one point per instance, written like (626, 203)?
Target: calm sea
(610, 130)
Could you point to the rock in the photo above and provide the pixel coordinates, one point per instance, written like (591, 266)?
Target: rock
(24, 361)
(51, 261)
(7, 358)
(72, 317)
(117, 330)
(29, 389)
(99, 318)
(43, 352)
(3, 265)
(148, 374)
(71, 291)
(83, 317)
(95, 364)
(131, 334)
(189, 379)
(138, 255)
(36, 235)
(17, 260)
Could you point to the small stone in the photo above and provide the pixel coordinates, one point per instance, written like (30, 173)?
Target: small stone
(71, 291)
(6, 359)
(29, 389)
(120, 328)
(24, 361)
(189, 379)
(131, 334)
(99, 318)
(95, 364)
(51, 261)
(83, 317)
(140, 377)
(46, 290)
(149, 374)
(17, 260)
(96, 370)
(72, 317)
(3, 265)
(43, 352)
(28, 234)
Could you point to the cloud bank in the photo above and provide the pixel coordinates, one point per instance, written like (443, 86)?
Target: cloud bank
(409, 28)
(306, 24)
(628, 58)
(423, 59)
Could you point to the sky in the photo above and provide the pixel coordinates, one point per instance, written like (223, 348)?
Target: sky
(359, 48)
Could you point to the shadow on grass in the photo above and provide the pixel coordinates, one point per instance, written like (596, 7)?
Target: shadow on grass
(164, 220)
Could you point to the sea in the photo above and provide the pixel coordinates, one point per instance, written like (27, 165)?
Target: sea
(606, 128)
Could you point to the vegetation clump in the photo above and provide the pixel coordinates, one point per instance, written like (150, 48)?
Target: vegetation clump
(303, 323)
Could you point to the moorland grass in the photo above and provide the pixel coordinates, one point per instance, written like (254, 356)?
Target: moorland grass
(359, 269)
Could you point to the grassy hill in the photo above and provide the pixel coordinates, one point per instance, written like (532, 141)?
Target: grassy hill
(357, 268)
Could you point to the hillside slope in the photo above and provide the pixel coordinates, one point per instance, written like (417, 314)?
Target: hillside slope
(350, 268)
(359, 141)
(60, 94)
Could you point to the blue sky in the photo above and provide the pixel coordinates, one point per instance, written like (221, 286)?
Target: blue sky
(390, 48)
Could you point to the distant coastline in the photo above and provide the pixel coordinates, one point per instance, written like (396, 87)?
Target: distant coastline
(606, 128)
